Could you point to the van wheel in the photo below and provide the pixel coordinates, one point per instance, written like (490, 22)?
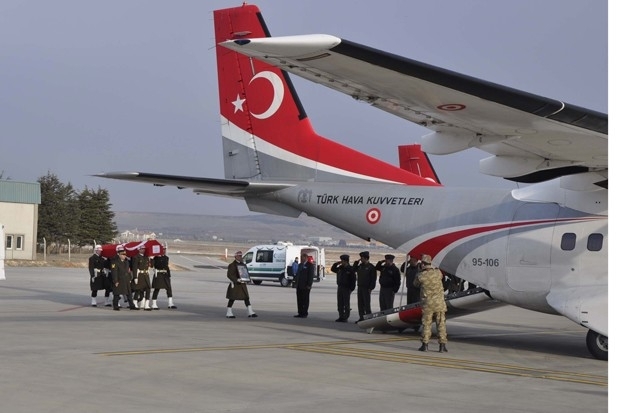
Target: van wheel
(257, 282)
(284, 282)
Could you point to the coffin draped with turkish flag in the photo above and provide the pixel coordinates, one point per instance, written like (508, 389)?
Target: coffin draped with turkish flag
(152, 248)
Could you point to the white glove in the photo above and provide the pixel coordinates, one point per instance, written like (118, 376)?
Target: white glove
(135, 280)
(92, 279)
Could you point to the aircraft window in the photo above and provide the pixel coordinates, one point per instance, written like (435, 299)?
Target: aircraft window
(568, 241)
(595, 242)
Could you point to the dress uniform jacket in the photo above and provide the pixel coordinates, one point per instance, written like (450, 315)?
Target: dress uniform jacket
(366, 276)
(236, 290)
(121, 274)
(140, 269)
(162, 270)
(96, 264)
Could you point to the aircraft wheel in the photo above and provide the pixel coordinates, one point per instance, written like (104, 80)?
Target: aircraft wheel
(284, 282)
(597, 344)
(257, 282)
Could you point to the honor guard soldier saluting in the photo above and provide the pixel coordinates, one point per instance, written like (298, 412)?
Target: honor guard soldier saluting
(161, 279)
(121, 278)
(98, 281)
(389, 281)
(141, 278)
(433, 303)
(237, 289)
(345, 279)
(366, 282)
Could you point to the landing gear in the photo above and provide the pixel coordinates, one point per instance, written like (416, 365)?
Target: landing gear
(597, 344)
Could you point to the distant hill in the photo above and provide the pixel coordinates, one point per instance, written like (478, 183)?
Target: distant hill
(257, 228)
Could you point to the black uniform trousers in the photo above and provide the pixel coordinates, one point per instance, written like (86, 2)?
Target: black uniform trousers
(303, 301)
(344, 302)
(363, 301)
(386, 298)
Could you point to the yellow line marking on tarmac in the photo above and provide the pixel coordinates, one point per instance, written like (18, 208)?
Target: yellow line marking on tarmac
(291, 346)
(343, 348)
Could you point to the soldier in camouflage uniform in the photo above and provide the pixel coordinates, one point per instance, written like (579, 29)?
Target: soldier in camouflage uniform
(434, 304)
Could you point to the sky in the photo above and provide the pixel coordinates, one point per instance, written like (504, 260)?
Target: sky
(130, 85)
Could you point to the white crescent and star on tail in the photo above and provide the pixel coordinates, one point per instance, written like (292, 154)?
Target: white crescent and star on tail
(278, 95)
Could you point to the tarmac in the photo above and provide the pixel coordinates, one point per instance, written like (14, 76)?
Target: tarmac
(59, 354)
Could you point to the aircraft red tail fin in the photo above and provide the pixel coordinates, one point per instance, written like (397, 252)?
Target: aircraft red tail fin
(266, 133)
(413, 159)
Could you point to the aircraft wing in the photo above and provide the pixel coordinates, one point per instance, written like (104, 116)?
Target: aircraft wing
(213, 186)
(531, 138)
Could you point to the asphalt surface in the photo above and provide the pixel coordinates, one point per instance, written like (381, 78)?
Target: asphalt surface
(59, 354)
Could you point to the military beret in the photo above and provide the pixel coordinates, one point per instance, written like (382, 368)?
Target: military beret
(389, 257)
(344, 257)
(365, 254)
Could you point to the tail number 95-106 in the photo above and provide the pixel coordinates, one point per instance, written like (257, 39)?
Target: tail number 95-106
(485, 262)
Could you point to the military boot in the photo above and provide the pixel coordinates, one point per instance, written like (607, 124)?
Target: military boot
(423, 347)
(442, 348)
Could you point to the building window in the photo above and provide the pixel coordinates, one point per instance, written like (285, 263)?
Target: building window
(568, 241)
(595, 242)
(19, 242)
(14, 242)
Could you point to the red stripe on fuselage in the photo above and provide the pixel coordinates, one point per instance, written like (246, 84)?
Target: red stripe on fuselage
(434, 245)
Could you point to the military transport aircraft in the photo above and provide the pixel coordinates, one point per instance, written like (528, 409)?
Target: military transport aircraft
(543, 247)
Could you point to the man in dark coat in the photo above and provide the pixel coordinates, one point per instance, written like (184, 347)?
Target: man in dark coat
(142, 280)
(121, 278)
(96, 265)
(161, 279)
(366, 282)
(305, 278)
(345, 280)
(238, 289)
(389, 281)
(411, 269)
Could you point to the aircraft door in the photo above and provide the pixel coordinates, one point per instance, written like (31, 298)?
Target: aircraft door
(528, 258)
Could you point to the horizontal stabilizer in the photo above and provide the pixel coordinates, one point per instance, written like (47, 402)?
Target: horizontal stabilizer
(227, 187)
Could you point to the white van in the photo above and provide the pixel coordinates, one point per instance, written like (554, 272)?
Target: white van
(273, 262)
